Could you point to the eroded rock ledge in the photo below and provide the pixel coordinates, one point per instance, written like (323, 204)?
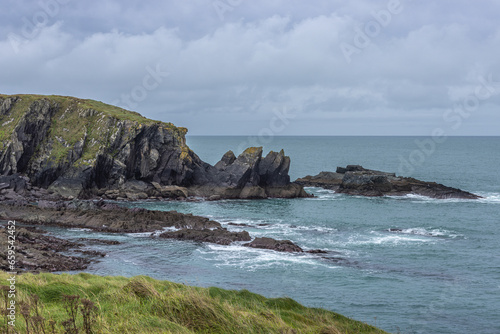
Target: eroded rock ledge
(356, 180)
(37, 251)
(44, 252)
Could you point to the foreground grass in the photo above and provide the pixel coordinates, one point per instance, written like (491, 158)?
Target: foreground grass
(144, 305)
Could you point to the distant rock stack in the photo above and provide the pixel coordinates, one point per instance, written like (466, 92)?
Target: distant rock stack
(356, 180)
(248, 176)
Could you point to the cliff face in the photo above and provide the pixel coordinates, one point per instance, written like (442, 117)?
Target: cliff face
(73, 145)
(83, 148)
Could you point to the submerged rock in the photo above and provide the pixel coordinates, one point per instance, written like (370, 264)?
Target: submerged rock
(219, 236)
(356, 180)
(277, 245)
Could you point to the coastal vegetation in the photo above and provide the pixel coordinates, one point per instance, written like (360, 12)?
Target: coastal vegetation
(85, 303)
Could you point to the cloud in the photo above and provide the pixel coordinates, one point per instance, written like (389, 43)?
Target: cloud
(262, 56)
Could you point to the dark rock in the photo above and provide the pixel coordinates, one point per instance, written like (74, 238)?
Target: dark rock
(92, 253)
(102, 216)
(219, 236)
(248, 176)
(326, 180)
(37, 251)
(227, 159)
(317, 251)
(100, 241)
(277, 245)
(350, 168)
(238, 224)
(356, 180)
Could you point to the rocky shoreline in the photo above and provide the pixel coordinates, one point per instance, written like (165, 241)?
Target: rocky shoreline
(356, 180)
(36, 251)
(45, 251)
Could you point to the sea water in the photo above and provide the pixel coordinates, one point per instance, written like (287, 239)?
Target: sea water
(437, 271)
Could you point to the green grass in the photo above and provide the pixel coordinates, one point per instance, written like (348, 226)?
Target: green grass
(144, 305)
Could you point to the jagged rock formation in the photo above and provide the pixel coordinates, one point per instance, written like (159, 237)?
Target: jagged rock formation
(356, 180)
(83, 148)
(248, 176)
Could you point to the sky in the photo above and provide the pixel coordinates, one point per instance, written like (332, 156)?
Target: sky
(273, 67)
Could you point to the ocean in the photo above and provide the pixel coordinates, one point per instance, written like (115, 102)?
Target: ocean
(438, 272)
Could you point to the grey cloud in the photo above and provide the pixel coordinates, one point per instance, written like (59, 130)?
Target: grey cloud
(259, 57)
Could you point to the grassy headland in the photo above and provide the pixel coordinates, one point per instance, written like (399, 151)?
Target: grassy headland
(92, 122)
(144, 305)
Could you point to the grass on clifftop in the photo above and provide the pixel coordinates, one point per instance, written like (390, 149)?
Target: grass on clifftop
(114, 111)
(144, 305)
(76, 120)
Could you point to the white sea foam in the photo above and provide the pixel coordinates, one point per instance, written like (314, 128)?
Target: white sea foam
(323, 194)
(154, 234)
(428, 232)
(255, 259)
(272, 226)
(489, 197)
(77, 229)
(377, 238)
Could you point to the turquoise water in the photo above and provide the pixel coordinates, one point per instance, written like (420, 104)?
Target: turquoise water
(439, 274)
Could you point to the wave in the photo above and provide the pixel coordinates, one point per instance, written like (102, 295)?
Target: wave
(152, 234)
(377, 238)
(487, 197)
(427, 232)
(252, 259)
(262, 227)
(322, 194)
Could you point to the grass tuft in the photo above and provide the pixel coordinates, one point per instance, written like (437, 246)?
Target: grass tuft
(87, 303)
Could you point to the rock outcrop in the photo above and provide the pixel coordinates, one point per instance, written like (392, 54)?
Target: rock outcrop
(277, 245)
(102, 216)
(37, 251)
(356, 180)
(219, 236)
(107, 217)
(248, 176)
(82, 148)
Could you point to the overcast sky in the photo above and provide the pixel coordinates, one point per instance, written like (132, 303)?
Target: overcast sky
(244, 67)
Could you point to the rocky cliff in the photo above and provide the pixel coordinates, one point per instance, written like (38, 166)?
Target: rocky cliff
(85, 148)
